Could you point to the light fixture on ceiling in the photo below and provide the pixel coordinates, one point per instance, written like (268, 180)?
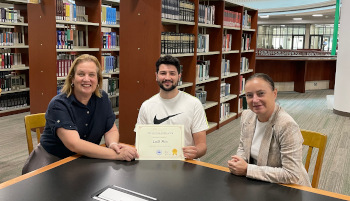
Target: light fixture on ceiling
(264, 16)
(297, 18)
(317, 15)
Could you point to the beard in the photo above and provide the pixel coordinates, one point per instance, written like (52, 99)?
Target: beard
(173, 86)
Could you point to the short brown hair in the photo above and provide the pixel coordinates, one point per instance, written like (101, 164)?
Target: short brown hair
(67, 87)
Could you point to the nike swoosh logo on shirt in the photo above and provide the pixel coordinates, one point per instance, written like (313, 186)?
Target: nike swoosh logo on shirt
(159, 121)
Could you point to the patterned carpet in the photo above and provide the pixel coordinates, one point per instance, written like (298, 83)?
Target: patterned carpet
(309, 110)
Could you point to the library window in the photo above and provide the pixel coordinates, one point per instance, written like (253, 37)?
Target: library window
(281, 36)
(321, 37)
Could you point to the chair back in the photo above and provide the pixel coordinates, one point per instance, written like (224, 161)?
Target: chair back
(314, 140)
(31, 122)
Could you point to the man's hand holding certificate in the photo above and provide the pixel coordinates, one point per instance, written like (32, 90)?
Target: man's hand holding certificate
(155, 142)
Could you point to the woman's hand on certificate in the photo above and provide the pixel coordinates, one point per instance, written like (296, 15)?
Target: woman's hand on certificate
(190, 152)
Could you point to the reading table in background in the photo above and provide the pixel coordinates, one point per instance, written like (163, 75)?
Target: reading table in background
(298, 69)
(79, 178)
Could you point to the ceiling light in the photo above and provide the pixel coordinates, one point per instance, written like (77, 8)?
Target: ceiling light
(297, 18)
(264, 16)
(317, 15)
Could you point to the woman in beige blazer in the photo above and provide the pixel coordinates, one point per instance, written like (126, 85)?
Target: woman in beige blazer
(270, 147)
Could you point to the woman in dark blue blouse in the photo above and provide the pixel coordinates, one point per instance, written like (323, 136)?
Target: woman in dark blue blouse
(77, 119)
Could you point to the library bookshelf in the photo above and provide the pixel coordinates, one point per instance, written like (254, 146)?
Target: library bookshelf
(46, 51)
(14, 58)
(142, 25)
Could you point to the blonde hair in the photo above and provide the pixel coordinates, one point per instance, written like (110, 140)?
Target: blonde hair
(67, 87)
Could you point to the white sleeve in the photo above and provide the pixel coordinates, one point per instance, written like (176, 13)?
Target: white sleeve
(199, 122)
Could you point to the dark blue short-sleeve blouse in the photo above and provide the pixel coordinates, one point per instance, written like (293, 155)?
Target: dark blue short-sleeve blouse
(91, 121)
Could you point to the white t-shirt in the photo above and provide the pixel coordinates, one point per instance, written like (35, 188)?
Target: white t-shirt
(258, 136)
(183, 109)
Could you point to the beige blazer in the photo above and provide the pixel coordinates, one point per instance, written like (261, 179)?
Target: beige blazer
(280, 154)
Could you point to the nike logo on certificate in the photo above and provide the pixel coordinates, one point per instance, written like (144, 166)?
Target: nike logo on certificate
(159, 121)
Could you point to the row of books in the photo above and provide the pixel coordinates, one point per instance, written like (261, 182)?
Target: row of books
(202, 96)
(206, 14)
(63, 64)
(178, 10)
(10, 81)
(115, 102)
(202, 70)
(247, 20)
(110, 85)
(246, 40)
(225, 67)
(232, 19)
(9, 15)
(225, 89)
(10, 60)
(109, 15)
(8, 38)
(226, 42)
(203, 43)
(177, 43)
(14, 101)
(110, 40)
(109, 63)
(70, 38)
(67, 10)
(244, 65)
(224, 111)
(241, 84)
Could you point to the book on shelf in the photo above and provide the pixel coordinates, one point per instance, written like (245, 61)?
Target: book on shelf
(203, 43)
(9, 38)
(226, 42)
(70, 38)
(225, 67)
(206, 14)
(224, 111)
(109, 63)
(14, 100)
(10, 60)
(109, 15)
(67, 10)
(110, 40)
(9, 14)
(202, 70)
(246, 40)
(11, 81)
(178, 10)
(63, 63)
(202, 96)
(225, 89)
(247, 20)
(241, 84)
(232, 19)
(177, 43)
(110, 85)
(244, 64)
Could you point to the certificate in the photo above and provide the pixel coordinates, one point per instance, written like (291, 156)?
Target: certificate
(160, 142)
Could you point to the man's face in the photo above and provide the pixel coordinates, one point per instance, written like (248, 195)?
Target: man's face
(167, 77)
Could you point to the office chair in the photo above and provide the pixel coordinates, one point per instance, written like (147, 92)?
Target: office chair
(34, 121)
(314, 140)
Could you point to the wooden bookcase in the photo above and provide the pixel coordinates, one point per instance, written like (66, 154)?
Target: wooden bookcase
(43, 52)
(140, 33)
(22, 49)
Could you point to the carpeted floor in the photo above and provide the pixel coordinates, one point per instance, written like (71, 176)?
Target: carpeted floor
(308, 109)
